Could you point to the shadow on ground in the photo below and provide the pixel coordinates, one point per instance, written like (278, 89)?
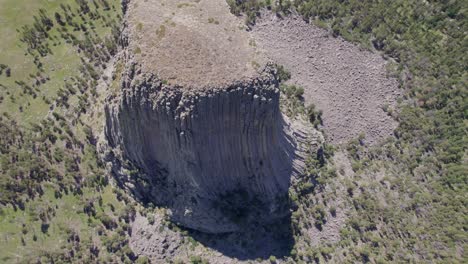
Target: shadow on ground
(253, 242)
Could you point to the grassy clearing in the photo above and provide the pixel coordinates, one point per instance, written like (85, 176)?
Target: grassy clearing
(63, 62)
(14, 14)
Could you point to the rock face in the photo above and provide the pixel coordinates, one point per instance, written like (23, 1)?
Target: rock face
(218, 154)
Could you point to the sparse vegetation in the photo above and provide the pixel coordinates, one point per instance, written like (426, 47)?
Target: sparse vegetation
(161, 32)
(213, 21)
(137, 50)
(139, 26)
(282, 73)
(251, 8)
(198, 260)
(293, 100)
(182, 5)
(255, 65)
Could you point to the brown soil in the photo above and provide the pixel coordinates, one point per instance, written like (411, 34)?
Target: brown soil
(348, 84)
(192, 43)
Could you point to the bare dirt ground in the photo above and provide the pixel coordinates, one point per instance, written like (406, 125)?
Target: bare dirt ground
(348, 84)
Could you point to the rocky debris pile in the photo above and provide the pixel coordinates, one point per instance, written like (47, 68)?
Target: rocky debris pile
(350, 85)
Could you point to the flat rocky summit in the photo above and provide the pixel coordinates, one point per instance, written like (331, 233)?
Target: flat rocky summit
(196, 44)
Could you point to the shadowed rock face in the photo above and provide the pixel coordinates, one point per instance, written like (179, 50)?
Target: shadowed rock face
(219, 159)
(218, 154)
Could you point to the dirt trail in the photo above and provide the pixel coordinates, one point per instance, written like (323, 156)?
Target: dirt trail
(348, 84)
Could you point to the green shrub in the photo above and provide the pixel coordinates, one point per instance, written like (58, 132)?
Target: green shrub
(198, 260)
(272, 259)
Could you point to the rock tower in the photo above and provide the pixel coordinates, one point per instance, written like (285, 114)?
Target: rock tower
(196, 111)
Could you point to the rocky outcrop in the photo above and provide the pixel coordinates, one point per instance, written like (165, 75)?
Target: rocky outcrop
(219, 155)
(218, 158)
